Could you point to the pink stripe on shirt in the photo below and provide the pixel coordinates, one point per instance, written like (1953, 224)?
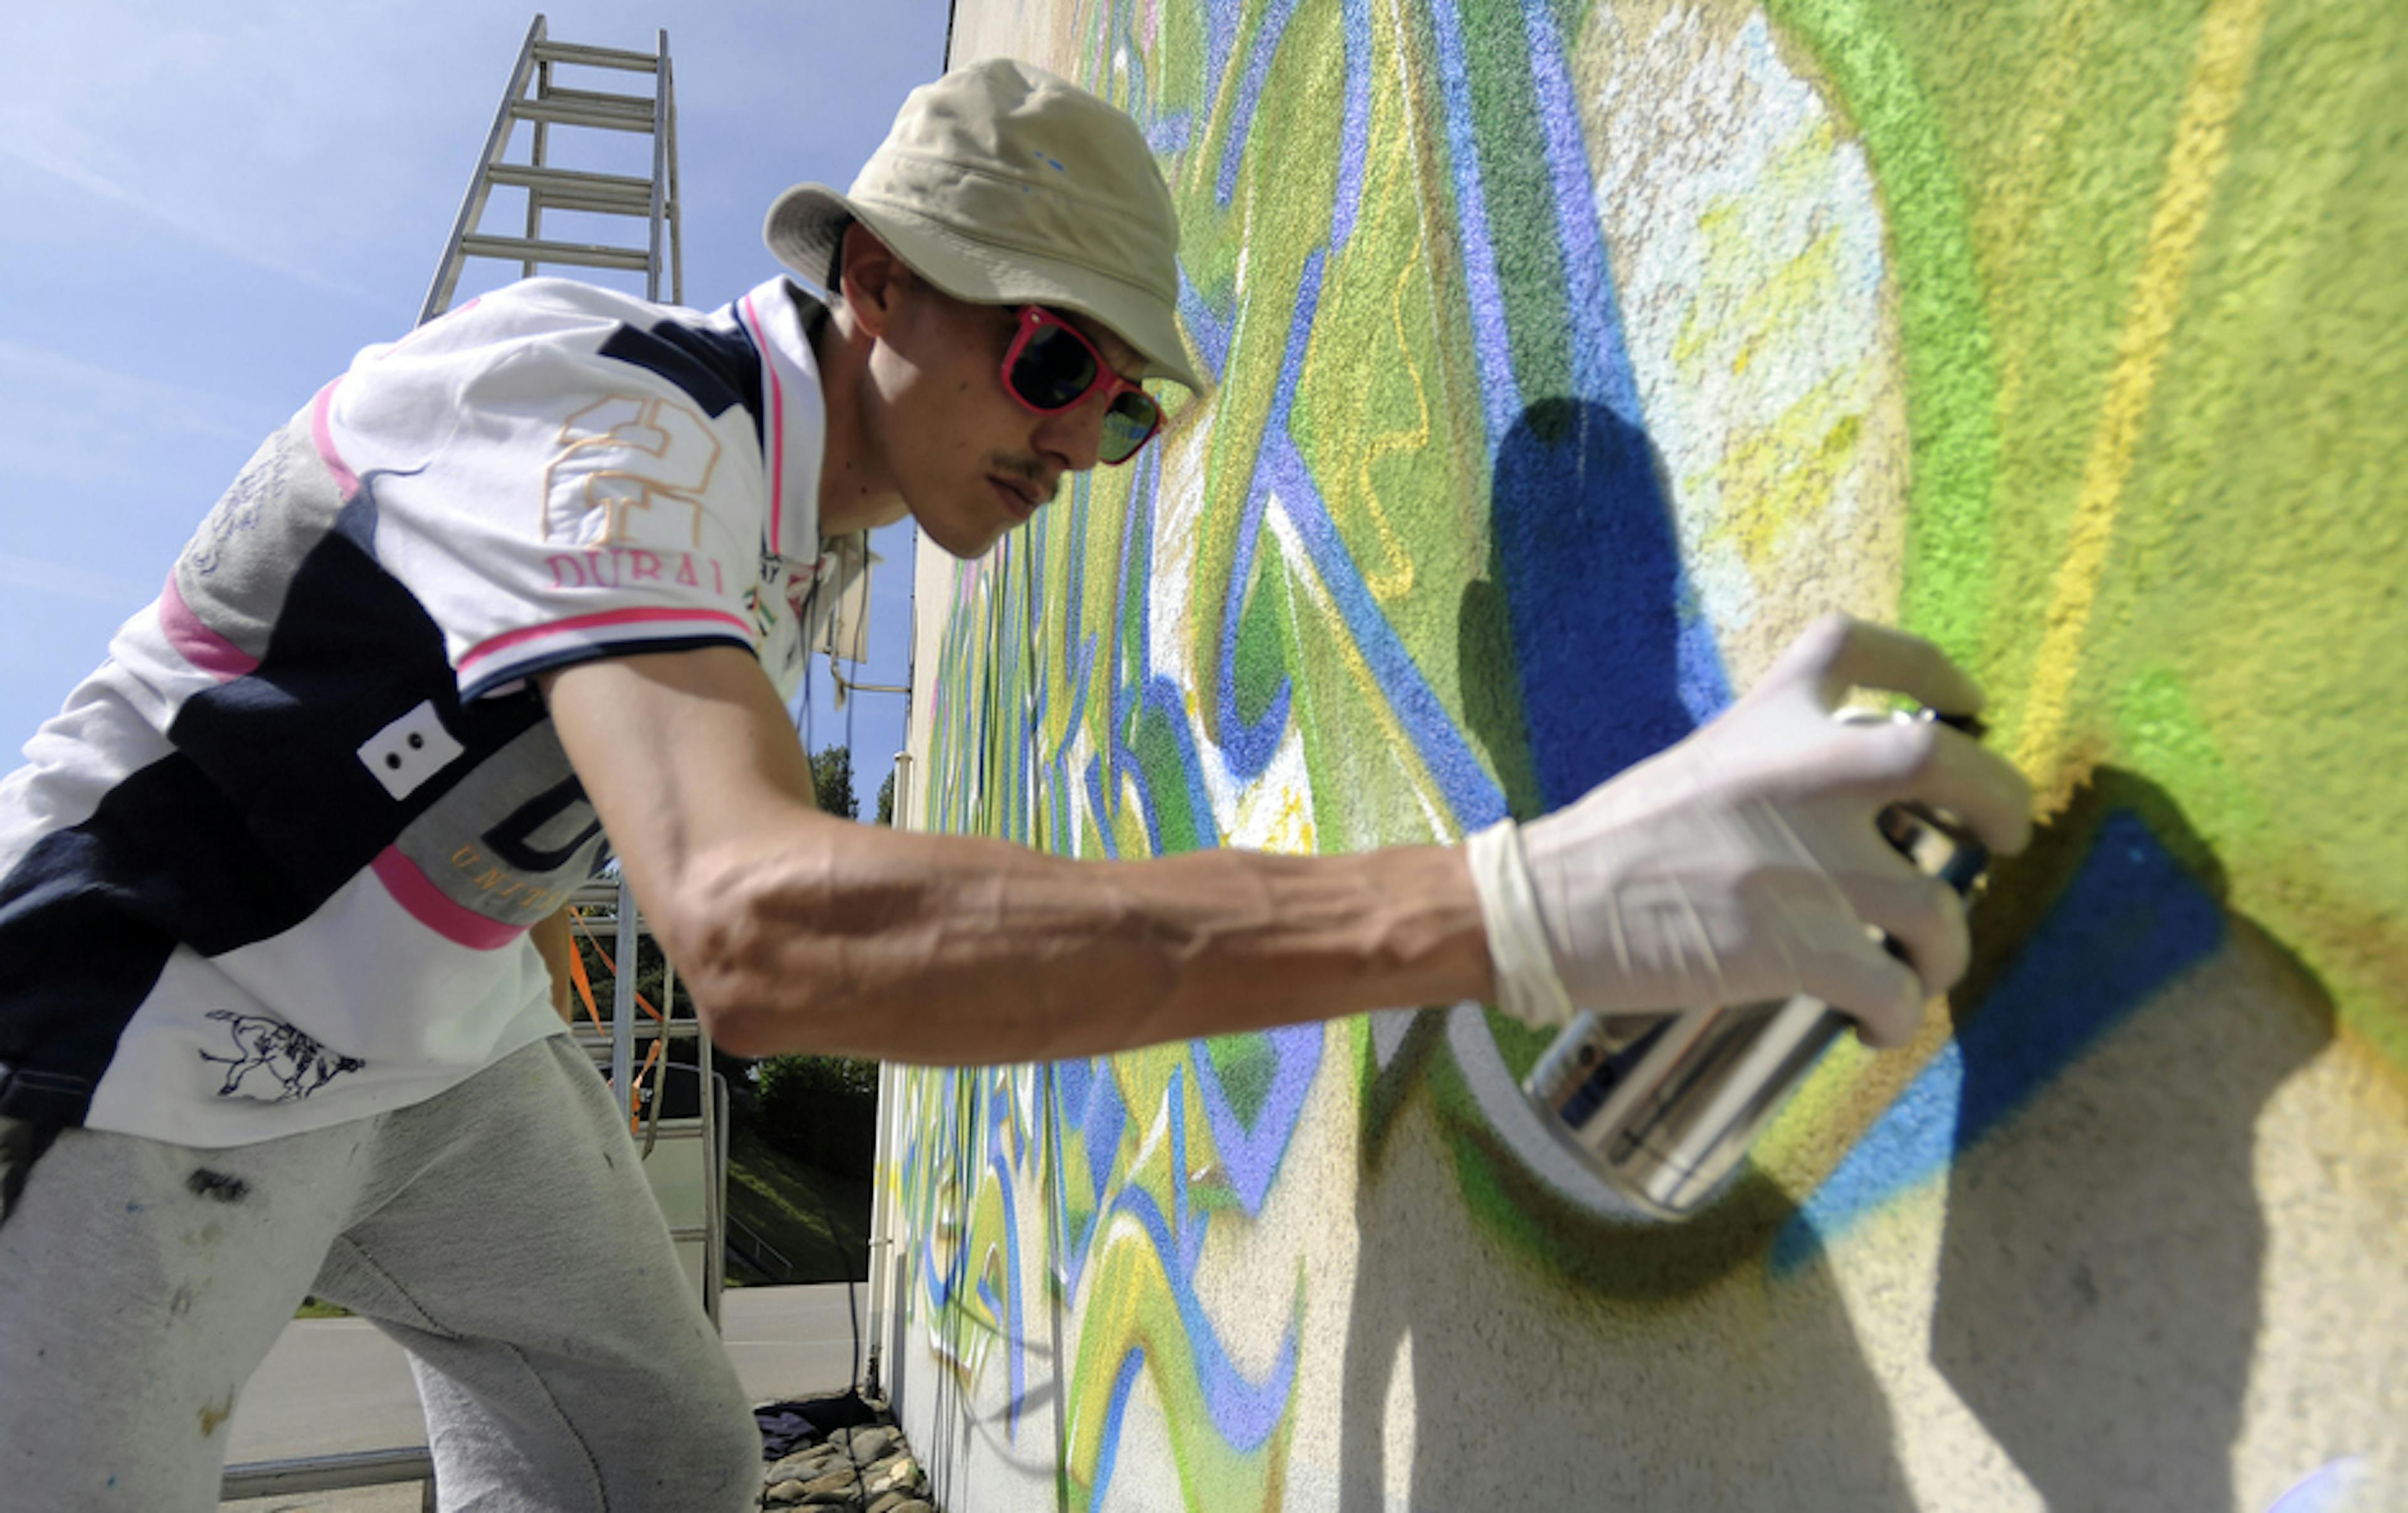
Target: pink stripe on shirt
(322, 433)
(608, 617)
(204, 648)
(777, 430)
(434, 908)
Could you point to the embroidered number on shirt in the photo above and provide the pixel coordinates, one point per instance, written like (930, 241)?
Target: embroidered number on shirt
(412, 749)
(623, 456)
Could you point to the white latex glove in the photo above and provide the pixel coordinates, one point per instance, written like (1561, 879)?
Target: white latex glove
(1744, 865)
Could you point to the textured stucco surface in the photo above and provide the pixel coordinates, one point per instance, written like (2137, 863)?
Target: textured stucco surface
(1570, 357)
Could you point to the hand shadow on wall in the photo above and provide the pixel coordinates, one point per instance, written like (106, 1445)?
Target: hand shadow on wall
(2102, 1249)
(1600, 1364)
(2101, 1261)
(1577, 653)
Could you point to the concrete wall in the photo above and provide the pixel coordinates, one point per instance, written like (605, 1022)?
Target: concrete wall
(1570, 356)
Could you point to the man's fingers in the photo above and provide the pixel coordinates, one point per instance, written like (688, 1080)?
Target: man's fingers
(1983, 788)
(1840, 653)
(1925, 918)
(1861, 979)
(1927, 763)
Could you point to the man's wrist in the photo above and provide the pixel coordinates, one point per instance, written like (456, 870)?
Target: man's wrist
(1528, 987)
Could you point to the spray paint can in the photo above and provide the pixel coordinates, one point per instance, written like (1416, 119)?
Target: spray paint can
(1665, 1107)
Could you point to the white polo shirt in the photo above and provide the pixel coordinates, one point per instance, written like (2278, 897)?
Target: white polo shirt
(273, 865)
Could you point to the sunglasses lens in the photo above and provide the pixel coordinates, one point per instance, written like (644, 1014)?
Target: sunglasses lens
(1132, 418)
(1053, 369)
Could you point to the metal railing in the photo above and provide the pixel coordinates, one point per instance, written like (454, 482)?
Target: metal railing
(753, 1248)
(331, 1473)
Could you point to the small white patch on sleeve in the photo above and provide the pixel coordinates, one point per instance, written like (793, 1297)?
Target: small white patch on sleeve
(406, 753)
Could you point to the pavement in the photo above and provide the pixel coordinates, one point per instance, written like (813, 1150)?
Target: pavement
(337, 1384)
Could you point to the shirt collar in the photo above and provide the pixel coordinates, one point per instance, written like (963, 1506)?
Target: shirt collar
(794, 432)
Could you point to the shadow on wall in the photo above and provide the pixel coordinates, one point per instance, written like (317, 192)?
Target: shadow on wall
(1584, 603)
(1658, 1392)
(1577, 663)
(1726, 1396)
(2101, 1263)
(2102, 1248)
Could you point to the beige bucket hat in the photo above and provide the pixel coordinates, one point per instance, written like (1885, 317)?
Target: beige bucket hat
(1002, 184)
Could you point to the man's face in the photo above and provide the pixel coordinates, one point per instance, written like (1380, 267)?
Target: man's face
(969, 459)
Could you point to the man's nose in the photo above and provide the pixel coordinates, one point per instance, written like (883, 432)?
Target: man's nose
(1075, 436)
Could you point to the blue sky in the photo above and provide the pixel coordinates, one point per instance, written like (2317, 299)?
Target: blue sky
(212, 207)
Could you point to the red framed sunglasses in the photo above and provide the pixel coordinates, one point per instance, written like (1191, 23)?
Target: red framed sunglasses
(1050, 367)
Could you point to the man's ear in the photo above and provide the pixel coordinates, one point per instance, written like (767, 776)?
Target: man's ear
(874, 280)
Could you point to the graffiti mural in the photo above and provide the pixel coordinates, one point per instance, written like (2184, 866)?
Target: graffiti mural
(1569, 356)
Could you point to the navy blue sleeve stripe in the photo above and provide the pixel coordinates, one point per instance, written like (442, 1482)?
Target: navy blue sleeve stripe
(715, 369)
(259, 813)
(352, 651)
(597, 651)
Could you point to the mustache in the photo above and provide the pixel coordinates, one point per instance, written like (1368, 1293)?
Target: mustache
(1038, 476)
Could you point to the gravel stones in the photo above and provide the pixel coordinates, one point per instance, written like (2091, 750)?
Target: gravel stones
(867, 1468)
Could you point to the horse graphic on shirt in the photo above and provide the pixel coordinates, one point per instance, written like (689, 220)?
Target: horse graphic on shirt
(291, 1057)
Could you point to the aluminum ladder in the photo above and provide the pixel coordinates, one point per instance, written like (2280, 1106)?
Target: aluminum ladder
(685, 1158)
(685, 1155)
(533, 95)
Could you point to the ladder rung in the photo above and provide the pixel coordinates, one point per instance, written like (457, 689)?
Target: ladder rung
(580, 113)
(598, 99)
(592, 204)
(602, 919)
(647, 1031)
(574, 254)
(564, 188)
(594, 57)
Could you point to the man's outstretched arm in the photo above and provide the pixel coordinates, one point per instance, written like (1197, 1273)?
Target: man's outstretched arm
(1746, 863)
(801, 932)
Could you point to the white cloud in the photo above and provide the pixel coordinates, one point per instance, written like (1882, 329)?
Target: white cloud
(330, 144)
(206, 231)
(115, 590)
(281, 135)
(64, 419)
(35, 373)
(190, 183)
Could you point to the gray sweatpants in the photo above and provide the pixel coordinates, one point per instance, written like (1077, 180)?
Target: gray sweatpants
(502, 1231)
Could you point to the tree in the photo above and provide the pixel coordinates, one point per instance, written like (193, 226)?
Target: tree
(832, 783)
(886, 799)
(822, 1111)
